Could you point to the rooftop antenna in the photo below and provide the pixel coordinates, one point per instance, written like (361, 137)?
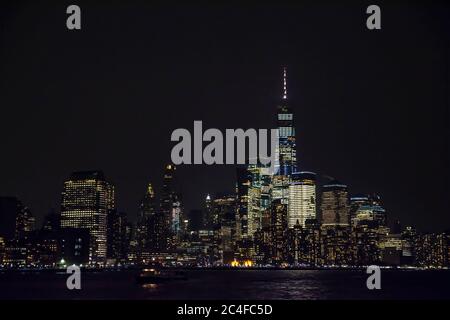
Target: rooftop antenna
(284, 83)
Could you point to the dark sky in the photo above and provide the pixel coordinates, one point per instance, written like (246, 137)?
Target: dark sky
(371, 107)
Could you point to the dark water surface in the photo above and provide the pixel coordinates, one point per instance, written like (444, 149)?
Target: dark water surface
(235, 284)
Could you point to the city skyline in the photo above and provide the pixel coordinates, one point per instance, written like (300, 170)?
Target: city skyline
(344, 108)
(285, 164)
(277, 216)
(200, 206)
(224, 159)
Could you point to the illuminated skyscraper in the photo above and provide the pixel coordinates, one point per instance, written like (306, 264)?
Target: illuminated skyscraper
(367, 209)
(86, 200)
(279, 231)
(432, 250)
(147, 231)
(208, 219)
(177, 214)
(2, 249)
(242, 188)
(302, 198)
(335, 205)
(223, 209)
(286, 151)
(259, 198)
(170, 210)
(370, 214)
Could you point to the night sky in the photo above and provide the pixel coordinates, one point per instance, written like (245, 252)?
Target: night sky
(371, 107)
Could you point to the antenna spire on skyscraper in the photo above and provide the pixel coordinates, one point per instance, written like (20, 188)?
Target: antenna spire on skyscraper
(284, 83)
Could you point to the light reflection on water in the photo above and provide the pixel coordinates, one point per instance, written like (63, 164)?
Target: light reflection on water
(236, 284)
(150, 286)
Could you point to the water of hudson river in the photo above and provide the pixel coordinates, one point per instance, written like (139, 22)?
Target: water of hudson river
(231, 284)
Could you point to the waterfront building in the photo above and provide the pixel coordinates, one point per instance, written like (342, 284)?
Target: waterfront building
(147, 230)
(336, 246)
(335, 206)
(117, 237)
(223, 208)
(87, 198)
(279, 231)
(432, 250)
(302, 198)
(171, 212)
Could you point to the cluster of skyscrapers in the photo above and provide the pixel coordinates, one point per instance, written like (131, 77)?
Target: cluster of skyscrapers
(274, 218)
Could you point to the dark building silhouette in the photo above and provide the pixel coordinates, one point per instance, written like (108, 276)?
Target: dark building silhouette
(117, 236)
(51, 221)
(10, 207)
(148, 229)
(25, 224)
(75, 246)
(196, 219)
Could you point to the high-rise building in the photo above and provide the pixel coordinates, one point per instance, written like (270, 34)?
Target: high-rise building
(408, 251)
(335, 206)
(280, 188)
(25, 224)
(177, 215)
(367, 209)
(51, 222)
(208, 218)
(171, 211)
(223, 209)
(87, 198)
(148, 235)
(371, 244)
(432, 250)
(242, 188)
(195, 220)
(2, 250)
(10, 207)
(302, 198)
(16, 226)
(117, 236)
(337, 245)
(286, 151)
(259, 198)
(370, 214)
(279, 231)
(76, 247)
(356, 201)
